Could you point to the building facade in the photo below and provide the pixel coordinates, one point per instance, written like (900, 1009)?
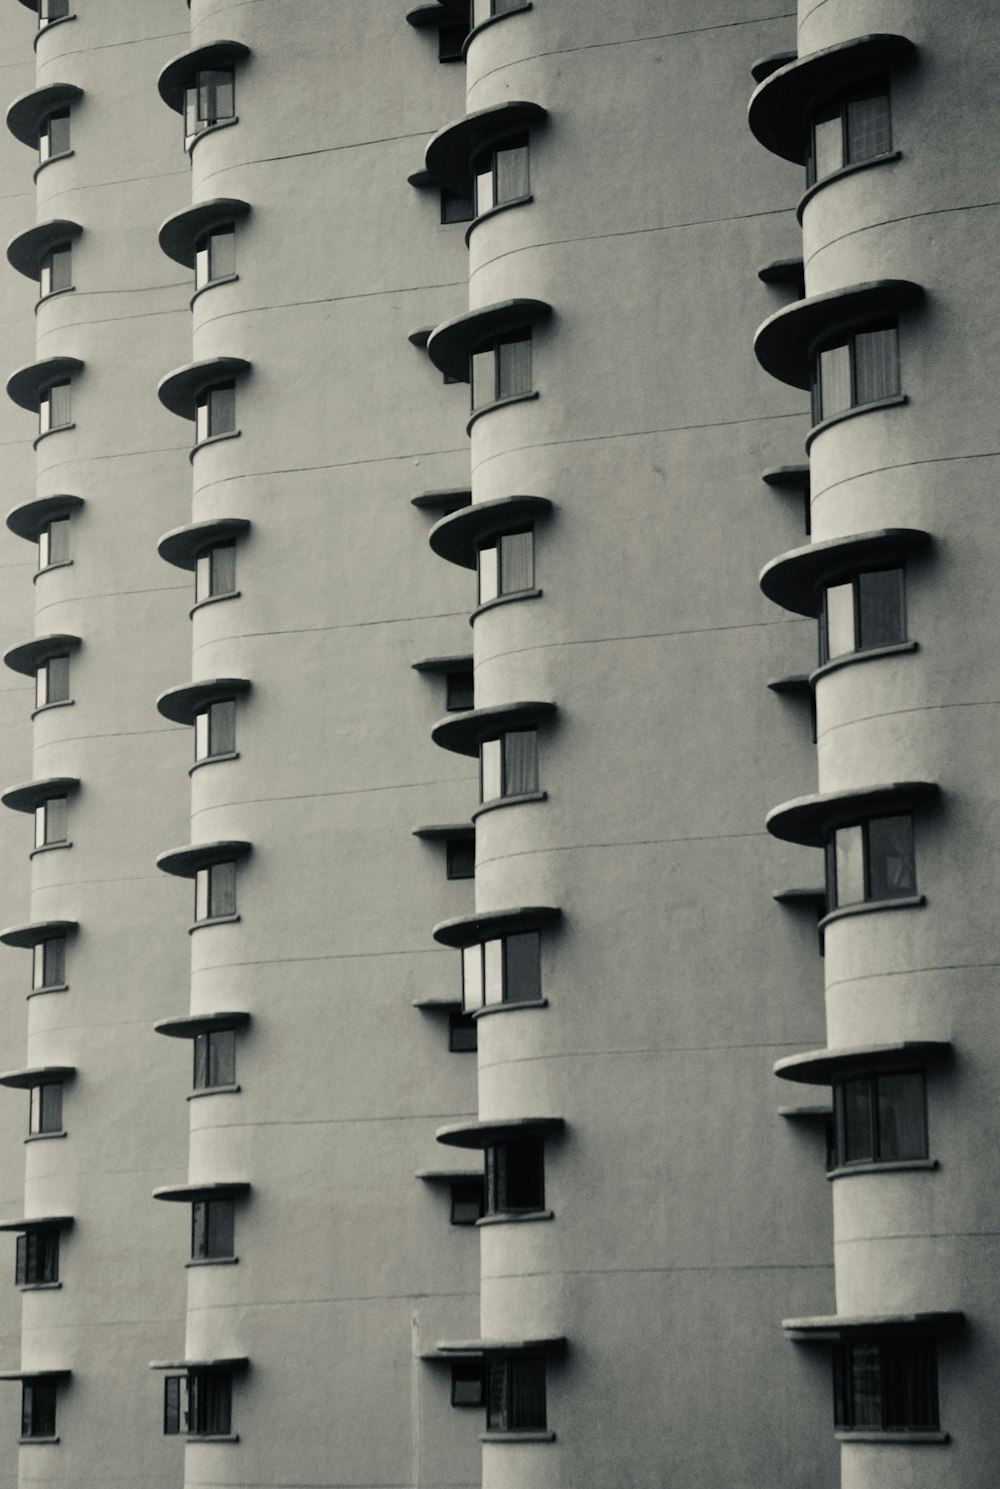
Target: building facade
(440, 839)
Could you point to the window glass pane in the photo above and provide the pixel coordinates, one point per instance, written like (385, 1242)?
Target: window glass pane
(835, 380)
(497, 1419)
(222, 1057)
(222, 568)
(60, 265)
(527, 1394)
(222, 727)
(902, 1126)
(221, 1227)
(512, 170)
(199, 1229)
(525, 1184)
(41, 686)
(472, 978)
(501, 7)
(517, 561)
(850, 886)
(172, 1404)
(55, 819)
(40, 826)
(457, 207)
(200, 1042)
(520, 762)
(493, 972)
(450, 42)
(869, 131)
(57, 669)
(53, 10)
(857, 1115)
(876, 365)
(222, 889)
(56, 135)
(489, 571)
(38, 964)
(201, 419)
(827, 141)
(202, 577)
(514, 365)
(880, 608)
(57, 540)
(59, 410)
(865, 1385)
(891, 868)
(461, 859)
(460, 690)
(222, 409)
(222, 253)
(201, 735)
(215, 95)
(49, 962)
(45, 1108)
(462, 1036)
(909, 1384)
(201, 895)
(202, 273)
(522, 966)
(839, 620)
(190, 111)
(38, 1409)
(466, 1203)
(484, 377)
(483, 182)
(491, 785)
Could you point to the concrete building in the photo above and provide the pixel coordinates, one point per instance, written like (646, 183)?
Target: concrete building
(424, 789)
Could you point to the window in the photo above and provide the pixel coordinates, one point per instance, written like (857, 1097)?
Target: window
(880, 1118)
(501, 368)
(215, 730)
(466, 1202)
(53, 543)
(200, 1402)
(215, 891)
(37, 1258)
(213, 1226)
(38, 1408)
(51, 822)
(506, 564)
(508, 765)
(45, 1108)
(56, 270)
(859, 613)
(486, 8)
(457, 206)
(461, 858)
(500, 173)
(215, 412)
(52, 10)
(857, 369)
(215, 572)
(460, 690)
(214, 1059)
(505, 970)
(215, 256)
(887, 1385)
(515, 1177)
(462, 1037)
(48, 963)
(852, 127)
(52, 682)
(211, 99)
(53, 136)
(468, 1387)
(871, 861)
(516, 1394)
(54, 408)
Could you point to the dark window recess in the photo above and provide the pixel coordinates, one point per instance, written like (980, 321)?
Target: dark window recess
(53, 542)
(55, 271)
(215, 256)
(462, 1037)
(849, 128)
(467, 1202)
(45, 1108)
(38, 1408)
(37, 1258)
(51, 822)
(516, 1394)
(859, 613)
(880, 1118)
(515, 1177)
(500, 173)
(215, 891)
(506, 564)
(887, 1385)
(54, 408)
(210, 100)
(508, 765)
(501, 368)
(215, 412)
(215, 572)
(48, 963)
(461, 855)
(214, 1059)
(213, 1229)
(468, 1384)
(53, 135)
(505, 970)
(460, 690)
(215, 730)
(52, 10)
(52, 682)
(857, 369)
(457, 206)
(200, 1403)
(871, 860)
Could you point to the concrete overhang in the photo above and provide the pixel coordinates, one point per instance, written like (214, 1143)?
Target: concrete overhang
(33, 793)
(778, 109)
(443, 13)
(27, 520)
(442, 832)
(180, 704)
(469, 930)
(453, 663)
(420, 336)
(794, 579)
(192, 1194)
(784, 272)
(452, 342)
(462, 732)
(182, 546)
(179, 234)
(822, 1067)
(179, 73)
(810, 819)
(485, 1134)
(37, 1075)
(38, 1222)
(785, 342)
(764, 66)
(231, 1363)
(185, 862)
(53, 1374)
(26, 386)
(545, 1344)
(449, 154)
(37, 931)
(787, 478)
(835, 1326)
(442, 501)
(27, 113)
(448, 1175)
(29, 656)
(457, 536)
(179, 390)
(24, 253)
(200, 1023)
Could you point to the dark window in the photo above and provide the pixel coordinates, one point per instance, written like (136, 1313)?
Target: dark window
(53, 135)
(48, 963)
(37, 1257)
(215, 412)
(460, 690)
(52, 10)
(214, 1059)
(504, 970)
(56, 270)
(462, 858)
(515, 1177)
(215, 730)
(53, 542)
(52, 682)
(200, 1402)
(466, 1202)
(887, 1385)
(45, 1108)
(880, 1118)
(506, 564)
(38, 1408)
(215, 256)
(213, 1225)
(462, 1037)
(516, 1394)
(468, 1387)
(457, 206)
(215, 572)
(861, 612)
(500, 173)
(509, 765)
(172, 1388)
(51, 822)
(54, 408)
(857, 369)
(209, 101)
(849, 128)
(451, 40)
(871, 860)
(501, 368)
(215, 891)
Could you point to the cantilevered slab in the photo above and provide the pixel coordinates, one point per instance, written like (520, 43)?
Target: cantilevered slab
(27, 385)
(37, 931)
(467, 930)
(200, 1023)
(179, 390)
(180, 71)
(794, 579)
(27, 520)
(448, 156)
(34, 793)
(179, 235)
(181, 704)
(27, 113)
(809, 819)
(182, 546)
(485, 1134)
(457, 536)
(185, 862)
(29, 656)
(452, 342)
(785, 342)
(822, 1067)
(462, 732)
(25, 252)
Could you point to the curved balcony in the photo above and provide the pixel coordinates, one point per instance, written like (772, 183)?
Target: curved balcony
(451, 344)
(176, 77)
(445, 501)
(837, 1326)
(448, 157)
(457, 536)
(462, 733)
(192, 1194)
(25, 252)
(180, 704)
(785, 342)
(467, 930)
(545, 1344)
(29, 656)
(27, 520)
(823, 1067)
(38, 1222)
(182, 546)
(194, 1024)
(179, 235)
(486, 1134)
(36, 931)
(808, 820)
(27, 113)
(26, 386)
(794, 579)
(179, 390)
(185, 862)
(36, 1075)
(34, 793)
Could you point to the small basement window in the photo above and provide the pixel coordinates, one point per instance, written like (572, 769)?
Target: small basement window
(856, 369)
(849, 128)
(871, 860)
(862, 612)
(886, 1385)
(215, 891)
(506, 564)
(880, 1118)
(506, 969)
(508, 765)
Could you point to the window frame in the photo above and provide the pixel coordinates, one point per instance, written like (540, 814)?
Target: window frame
(52, 686)
(58, 525)
(854, 579)
(213, 1230)
(468, 1372)
(492, 346)
(470, 1199)
(841, 101)
(503, 768)
(209, 571)
(49, 409)
(872, 1078)
(485, 164)
(61, 254)
(203, 254)
(848, 339)
(923, 1348)
(38, 1410)
(830, 858)
(45, 1109)
(508, 1380)
(210, 409)
(510, 1164)
(45, 16)
(48, 822)
(48, 962)
(198, 1404)
(213, 1056)
(36, 1261)
(45, 150)
(215, 731)
(490, 964)
(191, 112)
(499, 574)
(207, 892)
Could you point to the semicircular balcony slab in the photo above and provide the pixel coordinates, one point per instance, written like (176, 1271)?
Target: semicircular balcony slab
(463, 732)
(457, 536)
(795, 579)
(27, 113)
(25, 252)
(785, 343)
(180, 72)
(808, 820)
(449, 154)
(180, 234)
(451, 344)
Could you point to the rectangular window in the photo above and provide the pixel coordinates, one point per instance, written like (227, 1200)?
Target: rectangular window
(54, 408)
(215, 257)
(457, 206)
(51, 822)
(172, 1414)
(37, 1258)
(52, 10)
(863, 368)
(459, 690)
(200, 1402)
(214, 1059)
(863, 612)
(853, 127)
(881, 1118)
(468, 1387)
(52, 682)
(215, 412)
(45, 1108)
(215, 572)
(509, 765)
(887, 1385)
(515, 1177)
(55, 271)
(873, 860)
(213, 1229)
(215, 730)
(461, 859)
(506, 564)
(500, 174)
(211, 100)
(48, 963)
(501, 369)
(53, 135)
(451, 40)
(38, 1408)
(516, 1394)
(466, 1202)
(461, 1034)
(215, 891)
(53, 543)
(506, 969)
